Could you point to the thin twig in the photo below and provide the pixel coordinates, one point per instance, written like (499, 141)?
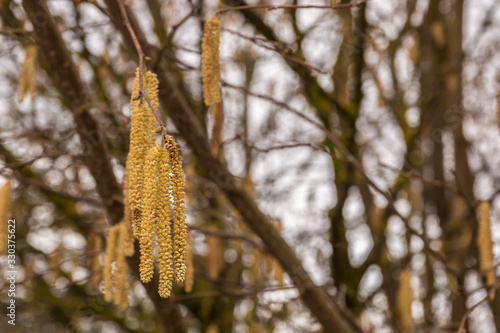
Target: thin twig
(273, 7)
(430, 181)
(142, 57)
(283, 50)
(225, 234)
(49, 190)
(461, 328)
(350, 158)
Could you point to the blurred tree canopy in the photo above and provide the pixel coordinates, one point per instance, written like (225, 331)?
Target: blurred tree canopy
(348, 181)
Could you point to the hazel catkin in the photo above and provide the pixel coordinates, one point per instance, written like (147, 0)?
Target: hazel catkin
(147, 238)
(27, 74)
(485, 245)
(5, 194)
(116, 278)
(164, 230)
(179, 219)
(108, 263)
(142, 138)
(210, 61)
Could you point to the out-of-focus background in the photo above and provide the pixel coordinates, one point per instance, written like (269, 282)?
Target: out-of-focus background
(367, 135)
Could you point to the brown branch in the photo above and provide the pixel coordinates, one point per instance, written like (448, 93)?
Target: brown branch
(273, 7)
(76, 96)
(283, 50)
(350, 158)
(430, 181)
(49, 190)
(16, 32)
(461, 328)
(229, 235)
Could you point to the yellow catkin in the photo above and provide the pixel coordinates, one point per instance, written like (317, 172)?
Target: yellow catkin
(272, 265)
(212, 328)
(259, 266)
(278, 273)
(127, 214)
(5, 200)
(163, 227)
(120, 295)
(108, 263)
(142, 138)
(485, 245)
(188, 283)
(147, 238)
(215, 256)
(178, 201)
(210, 61)
(404, 301)
(116, 279)
(27, 74)
(95, 248)
(129, 249)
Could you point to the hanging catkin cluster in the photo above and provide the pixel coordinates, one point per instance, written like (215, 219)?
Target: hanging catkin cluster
(210, 61)
(142, 138)
(164, 214)
(120, 245)
(5, 193)
(27, 75)
(485, 244)
(154, 192)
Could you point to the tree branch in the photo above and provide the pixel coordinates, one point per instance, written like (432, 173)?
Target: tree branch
(273, 7)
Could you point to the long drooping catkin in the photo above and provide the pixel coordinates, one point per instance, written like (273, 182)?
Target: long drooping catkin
(5, 194)
(108, 263)
(27, 74)
(147, 238)
(188, 282)
(95, 248)
(215, 256)
(210, 61)
(275, 265)
(485, 245)
(122, 284)
(404, 301)
(142, 138)
(179, 220)
(116, 279)
(164, 229)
